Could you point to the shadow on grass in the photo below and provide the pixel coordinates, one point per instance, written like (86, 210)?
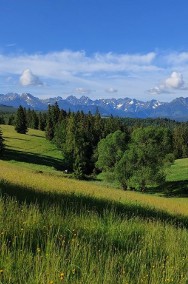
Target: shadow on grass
(15, 138)
(171, 189)
(33, 158)
(35, 135)
(78, 203)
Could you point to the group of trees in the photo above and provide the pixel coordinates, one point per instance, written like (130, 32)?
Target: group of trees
(26, 118)
(134, 155)
(139, 162)
(77, 135)
(132, 151)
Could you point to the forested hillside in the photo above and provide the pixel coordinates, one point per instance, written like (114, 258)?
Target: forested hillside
(133, 152)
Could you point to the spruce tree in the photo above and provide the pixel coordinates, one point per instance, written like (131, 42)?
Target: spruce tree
(42, 121)
(11, 119)
(2, 146)
(21, 121)
(49, 124)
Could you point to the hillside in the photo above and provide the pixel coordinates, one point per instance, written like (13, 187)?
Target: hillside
(37, 156)
(61, 230)
(6, 109)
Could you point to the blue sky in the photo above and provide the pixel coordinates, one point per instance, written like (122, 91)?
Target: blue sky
(97, 48)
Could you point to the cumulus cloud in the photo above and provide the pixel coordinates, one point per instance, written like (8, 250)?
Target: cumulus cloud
(29, 79)
(111, 90)
(173, 82)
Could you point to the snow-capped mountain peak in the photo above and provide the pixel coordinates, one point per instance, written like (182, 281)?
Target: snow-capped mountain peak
(118, 107)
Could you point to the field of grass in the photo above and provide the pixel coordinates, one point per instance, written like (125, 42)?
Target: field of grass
(32, 150)
(54, 229)
(178, 171)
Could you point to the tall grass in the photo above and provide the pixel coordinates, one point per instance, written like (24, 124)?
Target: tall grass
(49, 183)
(48, 244)
(58, 230)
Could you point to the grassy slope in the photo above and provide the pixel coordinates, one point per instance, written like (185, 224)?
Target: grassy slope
(178, 171)
(91, 234)
(34, 152)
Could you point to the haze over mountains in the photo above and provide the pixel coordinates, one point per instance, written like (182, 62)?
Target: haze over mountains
(123, 107)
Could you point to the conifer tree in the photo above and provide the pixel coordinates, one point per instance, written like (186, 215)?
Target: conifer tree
(42, 121)
(49, 124)
(21, 121)
(2, 146)
(55, 113)
(11, 119)
(2, 120)
(35, 120)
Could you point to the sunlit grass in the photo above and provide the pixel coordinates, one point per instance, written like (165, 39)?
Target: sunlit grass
(55, 244)
(54, 184)
(178, 171)
(33, 142)
(54, 229)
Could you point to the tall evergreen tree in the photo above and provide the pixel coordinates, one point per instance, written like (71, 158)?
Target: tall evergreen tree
(21, 121)
(180, 141)
(49, 124)
(2, 119)
(55, 113)
(52, 120)
(2, 146)
(42, 121)
(11, 119)
(35, 120)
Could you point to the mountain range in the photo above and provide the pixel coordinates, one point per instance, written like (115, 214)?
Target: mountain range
(122, 107)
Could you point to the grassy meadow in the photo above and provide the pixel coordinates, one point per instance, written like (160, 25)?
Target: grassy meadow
(54, 229)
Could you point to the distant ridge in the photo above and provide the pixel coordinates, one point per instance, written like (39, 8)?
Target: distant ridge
(123, 107)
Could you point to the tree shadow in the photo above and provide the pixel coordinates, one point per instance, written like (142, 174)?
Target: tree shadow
(171, 189)
(15, 138)
(78, 203)
(35, 135)
(28, 157)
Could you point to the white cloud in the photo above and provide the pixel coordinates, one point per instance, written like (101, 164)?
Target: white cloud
(176, 58)
(59, 65)
(173, 82)
(111, 90)
(101, 74)
(82, 91)
(29, 79)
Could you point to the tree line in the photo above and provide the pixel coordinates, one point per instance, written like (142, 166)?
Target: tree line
(134, 152)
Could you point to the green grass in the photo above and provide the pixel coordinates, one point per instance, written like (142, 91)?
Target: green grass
(32, 150)
(58, 230)
(178, 171)
(40, 242)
